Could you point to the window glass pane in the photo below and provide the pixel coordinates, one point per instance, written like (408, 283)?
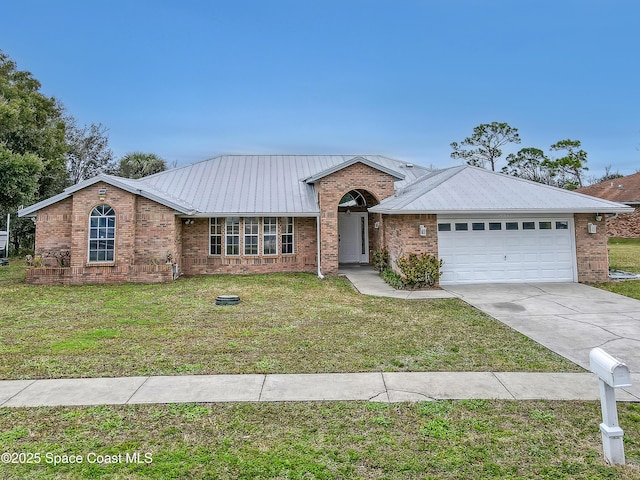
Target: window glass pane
(462, 226)
(287, 236)
(444, 227)
(544, 225)
(562, 225)
(477, 226)
(251, 227)
(233, 225)
(528, 225)
(233, 245)
(215, 238)
(495, 225)
(269, 236)
(102, 233)
(511, 226)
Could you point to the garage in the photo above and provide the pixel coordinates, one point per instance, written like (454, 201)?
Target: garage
(499, 250)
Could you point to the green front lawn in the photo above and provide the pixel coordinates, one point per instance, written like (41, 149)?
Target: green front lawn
(285, 323)
(624, 254)
(475, 439)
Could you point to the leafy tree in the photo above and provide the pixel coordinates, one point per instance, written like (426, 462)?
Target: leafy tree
(32, 130)
(88, 151)
(569, 169)
(531, 164)
(486, 141)
(138, 165)
(19, 175)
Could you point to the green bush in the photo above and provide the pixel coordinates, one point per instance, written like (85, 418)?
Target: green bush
(392, 278)
(380, 259)
(419, 270)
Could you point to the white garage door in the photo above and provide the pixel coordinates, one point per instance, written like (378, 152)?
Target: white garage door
(513, 250)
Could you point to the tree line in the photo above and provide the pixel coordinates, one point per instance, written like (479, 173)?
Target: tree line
(43, 150)
(565, 170)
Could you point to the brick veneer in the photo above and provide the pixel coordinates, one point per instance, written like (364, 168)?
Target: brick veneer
(402, 235)
(331, 189)
(53, 231)
(196, 259)
(145, 232)
(592, 255)
(625, 225)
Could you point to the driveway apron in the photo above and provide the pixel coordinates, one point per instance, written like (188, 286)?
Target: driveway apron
(568, 318)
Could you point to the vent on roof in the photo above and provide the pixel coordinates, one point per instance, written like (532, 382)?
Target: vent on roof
(409, 165)
(620, 187)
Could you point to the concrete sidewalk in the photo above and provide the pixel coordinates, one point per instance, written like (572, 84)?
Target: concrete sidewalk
(367, 281)
(378, 387)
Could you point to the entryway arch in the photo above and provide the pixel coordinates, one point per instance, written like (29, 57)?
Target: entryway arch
(353, 226)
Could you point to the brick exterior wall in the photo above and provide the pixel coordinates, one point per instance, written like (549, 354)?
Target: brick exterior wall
(53, 231)
(145, 232)
(402, 235)
(155, 233)
(197, 261)
(591, 250)
(625, 225)
(331, 189)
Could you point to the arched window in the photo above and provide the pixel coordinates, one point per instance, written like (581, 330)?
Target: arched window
(353, 199)
(102, 234)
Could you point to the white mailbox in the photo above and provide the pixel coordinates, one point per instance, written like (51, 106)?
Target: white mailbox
(610, 370)
(612, 374)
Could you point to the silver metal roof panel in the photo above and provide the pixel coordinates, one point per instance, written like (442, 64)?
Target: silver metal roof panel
(467, 189)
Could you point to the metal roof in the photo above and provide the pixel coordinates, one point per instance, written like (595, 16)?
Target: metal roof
(264, 184)
(466, 189)
(134, 186)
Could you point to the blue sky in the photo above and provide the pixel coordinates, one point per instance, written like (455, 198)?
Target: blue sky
(188, 80)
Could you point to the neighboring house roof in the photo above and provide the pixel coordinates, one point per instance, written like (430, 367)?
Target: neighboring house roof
(265, 184)
(468, 190)
(622, 190)
(134, 186)
(259, 185)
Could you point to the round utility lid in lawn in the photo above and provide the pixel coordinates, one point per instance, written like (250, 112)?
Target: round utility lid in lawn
(227, 300)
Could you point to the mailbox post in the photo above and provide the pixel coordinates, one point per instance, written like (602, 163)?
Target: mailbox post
(612, 374)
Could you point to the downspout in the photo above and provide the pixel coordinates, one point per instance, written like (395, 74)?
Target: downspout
(320, 275)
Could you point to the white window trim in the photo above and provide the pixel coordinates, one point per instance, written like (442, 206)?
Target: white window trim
(221, 235)
(249, 235)
(89, 239)
(227, 235)
(264, 234)
(293, 235)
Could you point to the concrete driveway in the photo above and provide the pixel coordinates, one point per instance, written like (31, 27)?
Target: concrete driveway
(568, 318)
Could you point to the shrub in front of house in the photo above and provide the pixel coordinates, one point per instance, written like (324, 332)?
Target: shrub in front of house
(417, 271)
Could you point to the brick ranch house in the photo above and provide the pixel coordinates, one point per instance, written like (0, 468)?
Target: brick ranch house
(310, 213)
(622, 190)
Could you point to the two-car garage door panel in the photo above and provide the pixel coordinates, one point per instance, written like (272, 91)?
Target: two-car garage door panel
(500, 255)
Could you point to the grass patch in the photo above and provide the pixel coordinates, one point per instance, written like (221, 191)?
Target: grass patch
(285, 323)
(354, 440)
(624, 254)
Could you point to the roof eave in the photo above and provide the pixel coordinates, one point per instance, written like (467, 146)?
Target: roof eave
(252, 214)
(68, 192)
(523, 211)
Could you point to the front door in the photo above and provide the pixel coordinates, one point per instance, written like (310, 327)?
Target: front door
(353, 237)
